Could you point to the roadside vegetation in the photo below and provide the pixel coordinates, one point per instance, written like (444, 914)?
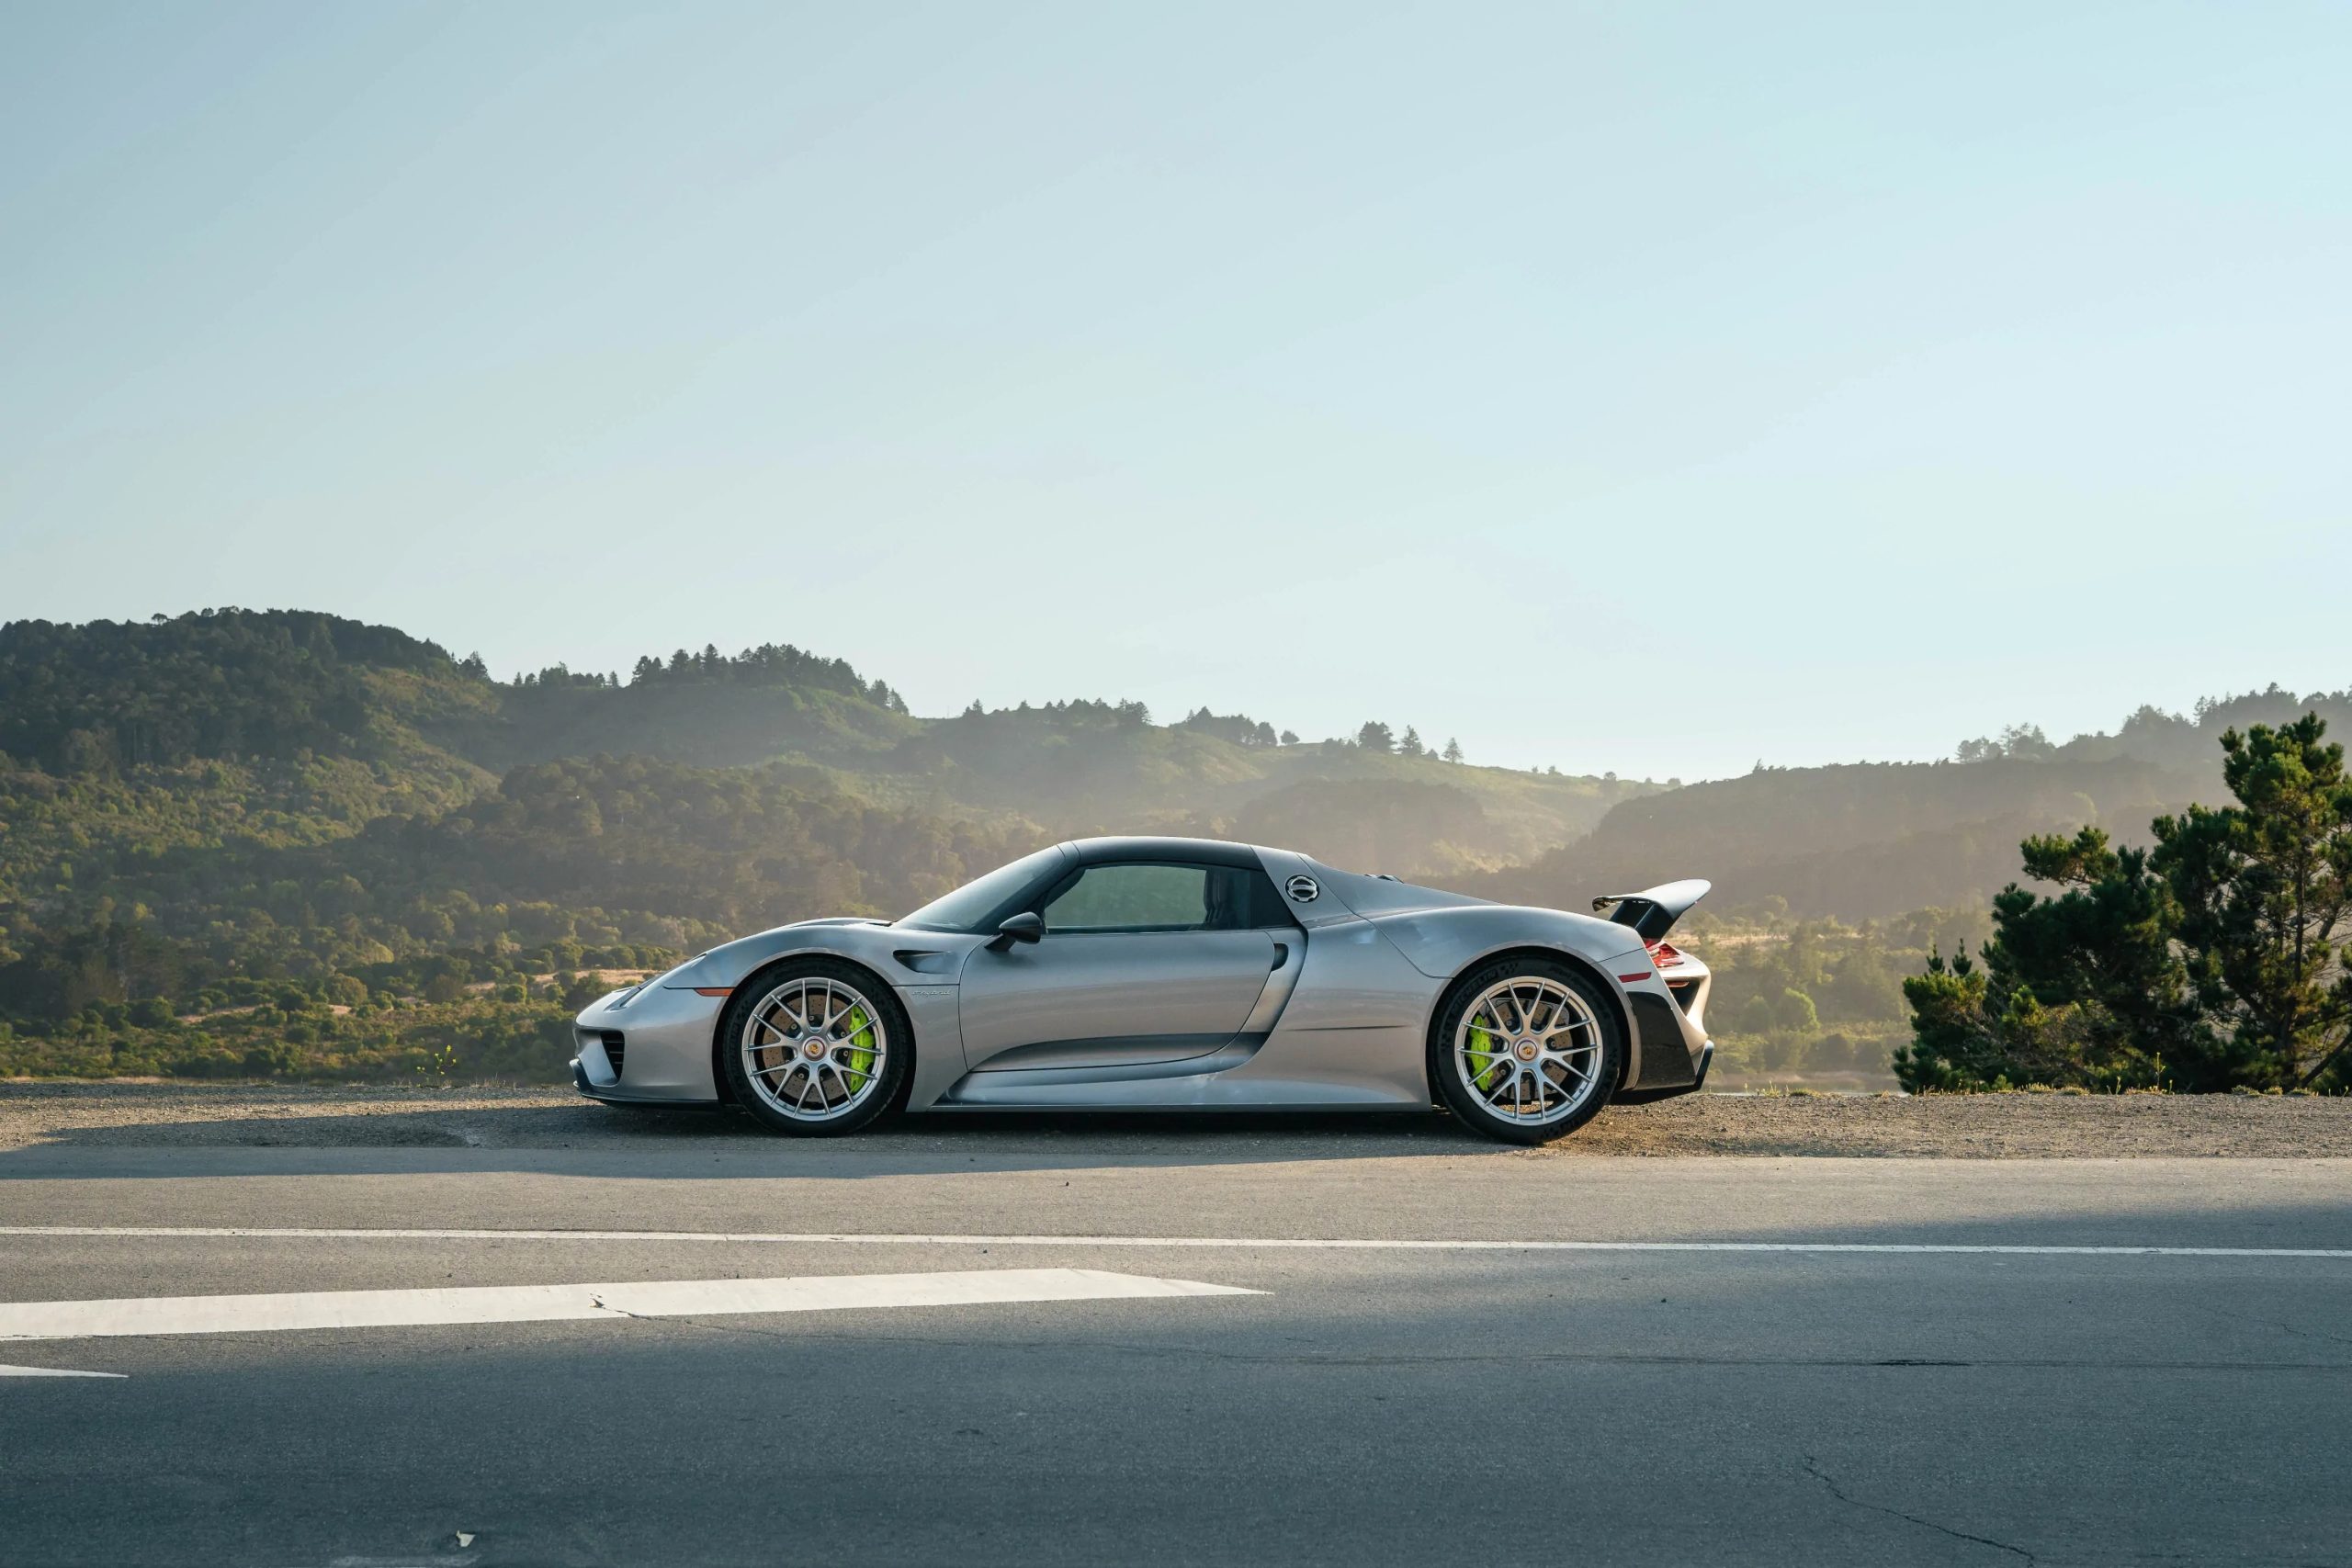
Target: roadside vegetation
(498, 1016)
(2211, 961)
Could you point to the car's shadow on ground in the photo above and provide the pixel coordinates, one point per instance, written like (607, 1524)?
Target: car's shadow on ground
(151, 1131)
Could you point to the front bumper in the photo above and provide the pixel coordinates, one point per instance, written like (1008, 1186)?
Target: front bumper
(661, 1037)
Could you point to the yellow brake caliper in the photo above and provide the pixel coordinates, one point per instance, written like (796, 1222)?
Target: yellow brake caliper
(1482, 1044)
(861, 1042)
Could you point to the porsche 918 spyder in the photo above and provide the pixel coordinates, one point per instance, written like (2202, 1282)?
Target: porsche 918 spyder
(1173, 974)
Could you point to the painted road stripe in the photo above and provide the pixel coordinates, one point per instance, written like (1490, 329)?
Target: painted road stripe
(544, 1303)
(50, 1372)
(857, 1239)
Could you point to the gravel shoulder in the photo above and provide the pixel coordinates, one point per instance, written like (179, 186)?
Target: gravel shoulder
(2008, 1127)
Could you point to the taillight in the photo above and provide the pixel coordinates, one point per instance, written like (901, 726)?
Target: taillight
(1663, 954)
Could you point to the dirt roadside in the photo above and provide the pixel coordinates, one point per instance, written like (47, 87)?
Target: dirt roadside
(2008, 1127)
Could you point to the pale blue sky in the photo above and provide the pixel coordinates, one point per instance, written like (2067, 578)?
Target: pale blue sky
(1641, 388)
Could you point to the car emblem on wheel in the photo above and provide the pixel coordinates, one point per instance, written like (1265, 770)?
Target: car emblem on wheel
(1303, 888)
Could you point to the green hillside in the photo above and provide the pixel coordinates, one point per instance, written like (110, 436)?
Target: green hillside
(228, 832)
(708, 709)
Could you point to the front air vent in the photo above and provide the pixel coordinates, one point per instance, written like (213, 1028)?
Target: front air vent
(615, 1043)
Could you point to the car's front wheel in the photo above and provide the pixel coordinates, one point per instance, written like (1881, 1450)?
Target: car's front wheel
(815, 1048)
(1526, 1050)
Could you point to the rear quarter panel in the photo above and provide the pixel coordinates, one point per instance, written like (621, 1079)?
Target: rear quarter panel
(1444, 943)
(1354, 1030)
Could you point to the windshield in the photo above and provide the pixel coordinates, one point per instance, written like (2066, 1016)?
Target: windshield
(969, 905)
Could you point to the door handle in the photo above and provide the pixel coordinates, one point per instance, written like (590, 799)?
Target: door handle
(1281, 956)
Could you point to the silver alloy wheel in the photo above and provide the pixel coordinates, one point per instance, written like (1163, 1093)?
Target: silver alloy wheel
(814, 1049)
(1529, 1048)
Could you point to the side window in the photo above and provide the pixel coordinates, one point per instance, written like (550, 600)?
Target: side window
(1132, 899)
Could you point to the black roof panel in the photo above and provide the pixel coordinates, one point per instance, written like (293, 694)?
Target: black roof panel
(1198, 852)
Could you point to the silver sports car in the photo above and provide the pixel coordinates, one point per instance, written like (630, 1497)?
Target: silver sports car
(1173, 974)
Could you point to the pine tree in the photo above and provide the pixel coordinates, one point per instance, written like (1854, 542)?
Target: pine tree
(2212, 962)
(2265, 887)
(1453, 750)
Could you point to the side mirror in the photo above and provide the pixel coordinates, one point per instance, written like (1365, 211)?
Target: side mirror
(1027, 926)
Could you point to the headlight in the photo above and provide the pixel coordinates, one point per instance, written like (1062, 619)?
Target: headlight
(669, 974)
(623, 998)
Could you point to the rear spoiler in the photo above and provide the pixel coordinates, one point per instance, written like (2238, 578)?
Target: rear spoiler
(1653, 911)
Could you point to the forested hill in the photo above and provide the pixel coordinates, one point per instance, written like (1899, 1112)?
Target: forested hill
(277, 684)
(123, 741)
(281, 796)
(280, 683)
(1864, 841)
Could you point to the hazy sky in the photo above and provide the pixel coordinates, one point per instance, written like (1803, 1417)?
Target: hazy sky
(1638, 387)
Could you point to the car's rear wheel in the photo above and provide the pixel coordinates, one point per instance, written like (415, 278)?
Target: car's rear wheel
(1526, 1050)
(815, 1048)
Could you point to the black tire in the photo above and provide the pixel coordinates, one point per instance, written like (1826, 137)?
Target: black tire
(1446, 1072)
(898, 1039)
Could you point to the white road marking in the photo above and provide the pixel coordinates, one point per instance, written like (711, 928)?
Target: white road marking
(543, 1304)
(51, 1372)
(857, 1239)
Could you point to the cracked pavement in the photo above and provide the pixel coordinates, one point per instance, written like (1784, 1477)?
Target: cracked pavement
(1813, 1468)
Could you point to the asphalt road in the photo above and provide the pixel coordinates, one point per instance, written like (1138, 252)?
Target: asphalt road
(1878, 1369)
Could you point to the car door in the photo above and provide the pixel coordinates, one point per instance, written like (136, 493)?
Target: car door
(1140, 963)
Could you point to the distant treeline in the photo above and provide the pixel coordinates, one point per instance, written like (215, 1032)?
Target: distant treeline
(2169, 739)
(209, 683)
(770, 664)
(237, 684)
(1866, 841)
